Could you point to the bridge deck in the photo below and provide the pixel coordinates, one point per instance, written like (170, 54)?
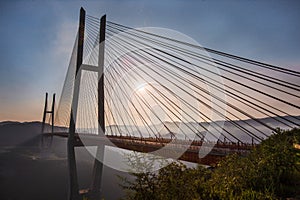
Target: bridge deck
(150, 145)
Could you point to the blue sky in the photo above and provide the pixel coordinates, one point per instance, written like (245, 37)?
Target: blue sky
(37, 37)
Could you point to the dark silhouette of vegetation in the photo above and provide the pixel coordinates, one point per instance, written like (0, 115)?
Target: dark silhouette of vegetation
(270, 171)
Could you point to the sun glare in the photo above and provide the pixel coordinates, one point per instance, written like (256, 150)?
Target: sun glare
(141, 88)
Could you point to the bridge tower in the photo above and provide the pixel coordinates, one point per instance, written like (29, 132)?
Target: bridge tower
(94, 192)
(51, 112)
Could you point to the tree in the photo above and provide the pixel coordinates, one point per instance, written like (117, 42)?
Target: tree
(270, 171)
(176, 181)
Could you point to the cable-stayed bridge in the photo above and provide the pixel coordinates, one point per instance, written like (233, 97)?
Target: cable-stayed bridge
(156, 90)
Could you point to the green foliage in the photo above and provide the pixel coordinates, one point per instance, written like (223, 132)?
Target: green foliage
(176, 181)
(270, 171)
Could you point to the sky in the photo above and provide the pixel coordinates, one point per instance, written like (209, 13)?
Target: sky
(37, 38)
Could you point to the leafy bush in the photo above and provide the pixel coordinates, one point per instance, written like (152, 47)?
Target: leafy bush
(270, 171)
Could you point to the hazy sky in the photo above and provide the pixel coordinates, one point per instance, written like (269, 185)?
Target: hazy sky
(37, 37)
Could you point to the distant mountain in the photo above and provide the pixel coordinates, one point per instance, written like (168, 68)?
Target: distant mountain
(188, 129)
(9, 123)
(15, 133)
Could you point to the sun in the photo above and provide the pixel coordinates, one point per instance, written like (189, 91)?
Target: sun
(141, 88)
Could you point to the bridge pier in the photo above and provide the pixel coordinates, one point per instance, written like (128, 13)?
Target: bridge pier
(73, 193)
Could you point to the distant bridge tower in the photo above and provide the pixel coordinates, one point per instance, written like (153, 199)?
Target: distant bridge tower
(51, 112)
